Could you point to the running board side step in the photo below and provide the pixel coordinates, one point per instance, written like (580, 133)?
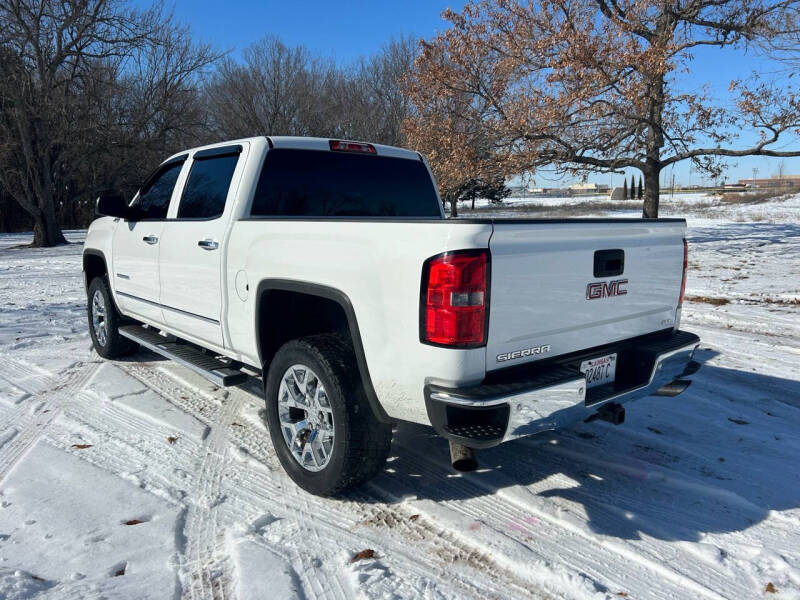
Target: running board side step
(191, 357)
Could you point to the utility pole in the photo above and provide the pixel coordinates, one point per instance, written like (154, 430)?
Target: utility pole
(755, 174)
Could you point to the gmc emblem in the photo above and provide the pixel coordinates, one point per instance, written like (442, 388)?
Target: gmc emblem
(601, 289)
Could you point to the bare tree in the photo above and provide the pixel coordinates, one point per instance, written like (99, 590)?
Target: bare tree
(282, 90)
(82, 77)
(591, 85)
(781, 173)
(376, 99)
(278, 90)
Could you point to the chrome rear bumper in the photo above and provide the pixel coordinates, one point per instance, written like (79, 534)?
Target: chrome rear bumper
(487, 415)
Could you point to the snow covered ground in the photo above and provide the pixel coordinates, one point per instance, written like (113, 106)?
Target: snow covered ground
(136, 479)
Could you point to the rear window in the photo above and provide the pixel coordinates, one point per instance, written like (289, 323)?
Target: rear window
(319, 183)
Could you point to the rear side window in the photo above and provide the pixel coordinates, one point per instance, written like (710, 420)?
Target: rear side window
(155, 195)
(319, 183)
(207, 187)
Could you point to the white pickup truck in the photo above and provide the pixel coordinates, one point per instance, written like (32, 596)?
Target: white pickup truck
(328, 268)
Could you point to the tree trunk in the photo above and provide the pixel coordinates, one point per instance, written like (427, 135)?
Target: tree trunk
(46, 232)
(651, 191)
(453, 206)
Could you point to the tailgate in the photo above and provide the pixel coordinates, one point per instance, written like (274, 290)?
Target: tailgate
(545, 299)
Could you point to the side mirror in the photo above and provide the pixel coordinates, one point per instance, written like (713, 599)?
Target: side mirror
(112, 205)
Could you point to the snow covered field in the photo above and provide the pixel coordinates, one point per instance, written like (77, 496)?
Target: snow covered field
(137, 479)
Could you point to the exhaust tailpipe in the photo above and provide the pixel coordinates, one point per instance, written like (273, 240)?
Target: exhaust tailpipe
(462, 458)
(674, 388)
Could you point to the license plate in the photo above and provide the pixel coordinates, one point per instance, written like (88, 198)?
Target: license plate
(600, 370)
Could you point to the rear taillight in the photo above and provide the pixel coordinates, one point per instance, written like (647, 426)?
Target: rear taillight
(455, 299)
(342, 146)
(685, 266)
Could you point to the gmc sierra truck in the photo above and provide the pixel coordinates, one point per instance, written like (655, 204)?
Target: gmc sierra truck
(328, 269)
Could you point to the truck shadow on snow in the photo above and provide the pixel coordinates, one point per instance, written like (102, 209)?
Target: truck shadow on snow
(718, 458)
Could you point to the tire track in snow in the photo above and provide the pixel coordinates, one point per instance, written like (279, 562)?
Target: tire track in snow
(202, 570)
(421, 549)
(31, 383)
(126, 444)
(219, 412)
(250, 492)
(31, 380)
(32, 424)
(552, 535)
(413, 547)
(219, 415)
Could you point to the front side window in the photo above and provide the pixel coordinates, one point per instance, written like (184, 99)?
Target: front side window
(155, 195)
(319, 183)
(207, 188)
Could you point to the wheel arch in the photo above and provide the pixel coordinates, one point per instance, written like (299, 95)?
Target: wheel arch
(94, 265)
(311, 292)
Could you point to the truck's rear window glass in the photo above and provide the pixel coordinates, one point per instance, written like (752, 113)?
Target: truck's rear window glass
(318, 183)
(207, 188)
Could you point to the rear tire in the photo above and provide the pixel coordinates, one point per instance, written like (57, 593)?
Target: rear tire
(352, 443)
(104, 322)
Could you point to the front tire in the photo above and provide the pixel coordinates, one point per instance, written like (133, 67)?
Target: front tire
(322, 427)
(104, 322)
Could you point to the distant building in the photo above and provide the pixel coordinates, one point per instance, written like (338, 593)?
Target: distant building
(774, 181)
(588, 188)
(543, 191)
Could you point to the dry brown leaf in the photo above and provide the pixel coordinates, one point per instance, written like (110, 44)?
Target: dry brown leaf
(235, 424)
(81, 446)
(133, 522)
(172, 439)
(363, 555)
(771, 588)
(413, 517)
(622, 594)
(120, 572)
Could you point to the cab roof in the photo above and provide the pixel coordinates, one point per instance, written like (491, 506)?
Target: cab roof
(303, 143)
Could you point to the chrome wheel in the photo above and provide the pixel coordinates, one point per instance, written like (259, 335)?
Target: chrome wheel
(306, 418)
(99, 323)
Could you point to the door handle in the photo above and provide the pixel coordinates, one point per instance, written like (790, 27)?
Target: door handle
(208, 244)
(150, 239)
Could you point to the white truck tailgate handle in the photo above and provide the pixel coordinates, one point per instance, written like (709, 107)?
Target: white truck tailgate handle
(208, 244)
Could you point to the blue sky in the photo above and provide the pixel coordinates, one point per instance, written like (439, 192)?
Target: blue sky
(347, 29)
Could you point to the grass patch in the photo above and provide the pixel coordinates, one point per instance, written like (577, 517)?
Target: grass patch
(783, 302)
(709, 300)
(751, 197)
